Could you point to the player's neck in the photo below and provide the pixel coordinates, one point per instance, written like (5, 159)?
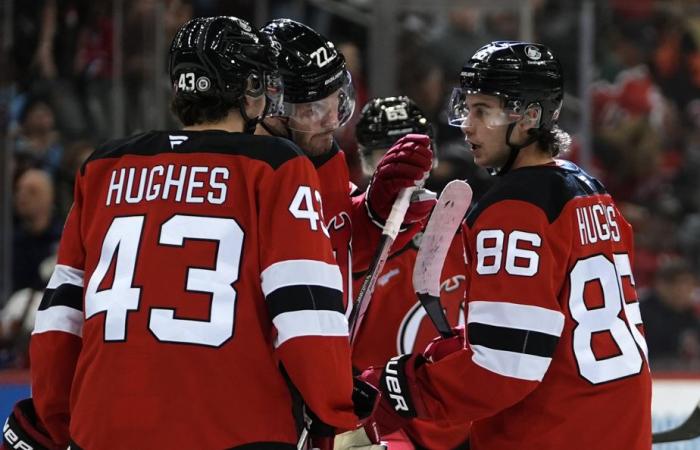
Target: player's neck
(532, 156)
(233, 123)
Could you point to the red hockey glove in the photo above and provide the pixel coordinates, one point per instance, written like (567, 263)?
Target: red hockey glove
(440, 347)
(400, 401)
(406, 164)
(22, 429)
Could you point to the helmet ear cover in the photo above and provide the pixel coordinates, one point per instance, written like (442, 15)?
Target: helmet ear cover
(255, 85)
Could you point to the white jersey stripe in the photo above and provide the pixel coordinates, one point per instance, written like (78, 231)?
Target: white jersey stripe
(63, 274)
(296, 272)
(309, 323)
(59, 318)
(512, 315)
(633, 313)
(510, 364)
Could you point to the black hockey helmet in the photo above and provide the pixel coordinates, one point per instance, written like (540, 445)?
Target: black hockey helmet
(218, 55)
(521, 73)
(312, 69)
(384, 120)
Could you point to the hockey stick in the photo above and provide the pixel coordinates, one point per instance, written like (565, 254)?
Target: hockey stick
(389, 233)
(391, 229)
(437, 237)
(690, 429)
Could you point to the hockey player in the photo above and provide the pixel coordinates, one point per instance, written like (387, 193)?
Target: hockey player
(193, 299)
(395, 321)
(554, 356)
(319, 99)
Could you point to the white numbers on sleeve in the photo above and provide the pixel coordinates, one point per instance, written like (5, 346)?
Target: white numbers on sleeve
(302, 207)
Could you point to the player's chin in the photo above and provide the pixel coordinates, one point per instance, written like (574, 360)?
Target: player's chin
(480, 158)
(321, 143)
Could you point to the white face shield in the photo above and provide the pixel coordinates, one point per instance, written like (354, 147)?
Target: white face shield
(327, 114)
(459, 113)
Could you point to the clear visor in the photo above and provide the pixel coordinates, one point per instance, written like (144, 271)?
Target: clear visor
(327, 114)
(460, 114)
(274, 93)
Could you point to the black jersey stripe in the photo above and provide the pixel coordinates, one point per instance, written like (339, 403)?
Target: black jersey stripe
(304, 297)
(512, 339)
(65, 294)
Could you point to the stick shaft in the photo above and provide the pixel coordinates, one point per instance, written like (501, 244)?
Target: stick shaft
(389, 233)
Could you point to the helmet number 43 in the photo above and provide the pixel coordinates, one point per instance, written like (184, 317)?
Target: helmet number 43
(186, 82)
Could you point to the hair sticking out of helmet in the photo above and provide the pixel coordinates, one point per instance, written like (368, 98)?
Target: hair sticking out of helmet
(224, 58)
(318, 91)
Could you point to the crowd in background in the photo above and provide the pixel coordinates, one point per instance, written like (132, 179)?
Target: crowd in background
(57, 106)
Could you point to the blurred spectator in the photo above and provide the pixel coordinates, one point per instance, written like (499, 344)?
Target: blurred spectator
(676, 59)
(670, 316)
(93, 68)
(17, 320)
(45, 35)
(629, 118)
(37, 230)
(458, 40)
(39, 142)
(76, 152)
(557, 25)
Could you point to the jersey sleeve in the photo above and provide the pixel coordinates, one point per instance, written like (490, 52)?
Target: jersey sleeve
(303, 291)
(514, 320)
(57, 336)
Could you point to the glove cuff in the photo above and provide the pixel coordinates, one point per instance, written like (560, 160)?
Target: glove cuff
(21, 429)
(395, 384)
(374, 217)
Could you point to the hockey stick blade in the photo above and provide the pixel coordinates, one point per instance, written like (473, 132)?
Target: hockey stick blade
(690, 429)
(391, 229)
(437, 237)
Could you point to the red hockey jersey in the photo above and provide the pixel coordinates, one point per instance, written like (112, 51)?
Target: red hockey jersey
(397, 323)
(347, 220)
(335, 190)
(192, 265)
(556, 357)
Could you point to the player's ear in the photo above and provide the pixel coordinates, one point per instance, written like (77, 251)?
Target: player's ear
(531, 118)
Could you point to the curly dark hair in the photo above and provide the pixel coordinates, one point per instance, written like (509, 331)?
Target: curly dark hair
(554, 141)
(193, 109)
